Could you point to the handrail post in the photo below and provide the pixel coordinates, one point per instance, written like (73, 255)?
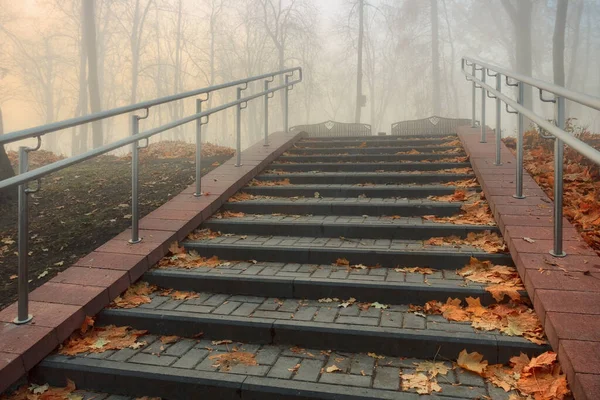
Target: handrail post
(521, 122)
(286, 105)
(198, 191)
(498, 120)
(23, 315)
(135, 216)
(266, 113)
(238, 127)
(557, 251)
(473, 105)
(483, 95)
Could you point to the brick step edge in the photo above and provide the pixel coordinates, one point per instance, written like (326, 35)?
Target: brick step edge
(326, 255)
(313, 288)
(399, 342)
(177, 383)
(269, 227)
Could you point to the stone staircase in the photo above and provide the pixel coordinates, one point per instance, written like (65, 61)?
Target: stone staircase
(288, 302)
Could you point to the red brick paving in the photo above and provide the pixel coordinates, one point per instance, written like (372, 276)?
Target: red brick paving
(565, 291)
(60, 305)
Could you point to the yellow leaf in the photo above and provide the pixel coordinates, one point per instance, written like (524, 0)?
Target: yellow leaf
(472, 362)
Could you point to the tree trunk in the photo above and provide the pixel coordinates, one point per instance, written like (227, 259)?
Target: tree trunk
(89, 36)
(523, 38)
(178, 104)
(6, 170)
(435, 60)
(558, 43)
(359, 73)
(79, 140)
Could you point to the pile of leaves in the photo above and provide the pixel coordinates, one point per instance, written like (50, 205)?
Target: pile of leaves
(487, 241)
(455, 143)
(475, 213)
(37, 158)
(413, 151)
(512, 319)
(461, 159)
(177, 149)
(136, 295)
(464, 183)
(457, 196)
(243, 196)
(449, 151)
(178, 257)
(424, 379)
(229, 214)
(91, 339)
(581, 181)
(202, 234)
(225, 361)
(44, 392)
(502, 280)
(256, 182)
(539, 378)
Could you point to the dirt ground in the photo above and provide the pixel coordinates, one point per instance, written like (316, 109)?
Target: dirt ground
(81, 207)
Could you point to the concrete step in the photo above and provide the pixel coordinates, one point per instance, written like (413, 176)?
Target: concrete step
(349, 191)
(349, 178)
(361, 158)
(371, 150)
(335, 227)
(366, 167)
(184, 369)
(309, 250)
(310, 281)
(344, 207)
(393, 331)
(360, 139)
(379, 142)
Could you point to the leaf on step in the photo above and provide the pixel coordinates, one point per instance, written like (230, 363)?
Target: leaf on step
(432, 368)
(375, 356)
(220, 342)
(342, 262)
(88, 323)
(472, 362)
(348, 302)
(420, 382)
(501, 290)
(169, 339)
(379, 306)
(332, 369)
(416, 270)
(174, 248)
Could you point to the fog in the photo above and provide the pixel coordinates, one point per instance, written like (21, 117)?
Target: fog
(60, 59)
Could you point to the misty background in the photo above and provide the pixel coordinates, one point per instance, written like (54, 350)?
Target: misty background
(65, 58)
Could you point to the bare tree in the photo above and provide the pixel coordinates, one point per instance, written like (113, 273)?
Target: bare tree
(89, 38)
(520, 13)
(558, 42)
(435, 60)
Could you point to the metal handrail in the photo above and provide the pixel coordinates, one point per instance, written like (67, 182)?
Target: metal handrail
(25, 176)
(557, 131)
(69, 123)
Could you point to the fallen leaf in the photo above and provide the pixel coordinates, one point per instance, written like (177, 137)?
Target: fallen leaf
(333, 368)
(472, 362)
